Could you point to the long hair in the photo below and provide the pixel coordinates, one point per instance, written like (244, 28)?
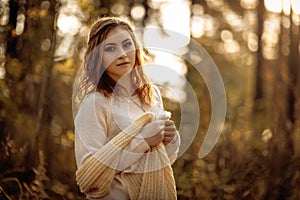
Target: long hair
(94, 54)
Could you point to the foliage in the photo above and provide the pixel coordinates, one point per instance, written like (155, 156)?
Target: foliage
(257, 155)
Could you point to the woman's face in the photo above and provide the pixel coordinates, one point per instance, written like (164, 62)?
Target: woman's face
(118, 53)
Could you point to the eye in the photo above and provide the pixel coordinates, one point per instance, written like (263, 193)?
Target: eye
(127, 44)
(109, 49)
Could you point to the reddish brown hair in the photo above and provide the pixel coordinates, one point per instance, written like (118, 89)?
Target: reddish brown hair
(93, 59)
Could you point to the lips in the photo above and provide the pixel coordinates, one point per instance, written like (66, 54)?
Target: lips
(123, 63)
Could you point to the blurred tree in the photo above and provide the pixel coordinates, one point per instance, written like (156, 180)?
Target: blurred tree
(294, 72)
(255, 157)
(279, 96)
(259, 59)
(26, 87)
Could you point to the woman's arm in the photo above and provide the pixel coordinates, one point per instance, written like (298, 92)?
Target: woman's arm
(99, 160)
(92, 125)
(171, 140)
(172, 137)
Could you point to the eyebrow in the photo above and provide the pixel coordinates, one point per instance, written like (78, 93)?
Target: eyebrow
(124, 41)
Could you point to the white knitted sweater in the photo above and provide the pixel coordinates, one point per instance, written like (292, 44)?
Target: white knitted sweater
(98, 121)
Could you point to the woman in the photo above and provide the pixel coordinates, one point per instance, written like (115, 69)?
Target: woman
(124, 141)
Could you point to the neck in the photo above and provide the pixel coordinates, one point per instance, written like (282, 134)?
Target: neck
(124, 86)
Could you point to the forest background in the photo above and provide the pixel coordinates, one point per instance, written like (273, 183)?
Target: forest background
(255, 45)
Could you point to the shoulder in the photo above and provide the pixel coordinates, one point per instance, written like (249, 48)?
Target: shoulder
(94, 101)
(95, 98)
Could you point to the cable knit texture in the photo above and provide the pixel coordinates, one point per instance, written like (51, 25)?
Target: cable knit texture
(156, 183)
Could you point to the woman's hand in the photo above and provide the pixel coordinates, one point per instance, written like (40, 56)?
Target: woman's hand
(153, 132)
(170, 131)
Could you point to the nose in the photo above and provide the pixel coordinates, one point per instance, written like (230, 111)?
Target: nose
(122, 53)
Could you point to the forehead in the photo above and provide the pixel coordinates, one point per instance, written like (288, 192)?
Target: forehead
(117, 35)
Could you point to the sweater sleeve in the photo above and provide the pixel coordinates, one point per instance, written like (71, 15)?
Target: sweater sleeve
(97, 170)
(92, 129)
(173, 147)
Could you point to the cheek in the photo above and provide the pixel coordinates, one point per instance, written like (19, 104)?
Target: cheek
(132, 55)
(108, 60)
(131, 52)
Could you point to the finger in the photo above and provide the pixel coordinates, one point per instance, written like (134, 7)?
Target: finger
(169, 138)
(169, 134)
(169, 123)
(170, 128)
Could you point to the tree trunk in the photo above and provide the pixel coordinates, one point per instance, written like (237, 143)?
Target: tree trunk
(293, 66)
(259, 64)
(38, 40)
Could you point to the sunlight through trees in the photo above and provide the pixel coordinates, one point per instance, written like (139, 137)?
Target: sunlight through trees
(255, 45)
